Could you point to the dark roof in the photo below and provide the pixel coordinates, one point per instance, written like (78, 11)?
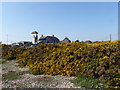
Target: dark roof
(34, 32)
(44, 38)
(88, 41)
(66, 39)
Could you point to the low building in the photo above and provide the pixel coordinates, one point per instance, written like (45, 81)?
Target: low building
(88, 41)
(14, 44)
(48, 39)
(66, 40)
(25, 43)
(77, 41)
(22, 44)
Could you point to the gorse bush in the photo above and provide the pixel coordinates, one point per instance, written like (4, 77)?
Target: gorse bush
(10, 53)
(95, 60)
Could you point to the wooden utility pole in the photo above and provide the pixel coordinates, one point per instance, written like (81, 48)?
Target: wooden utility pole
(7, 39)
(110, 37)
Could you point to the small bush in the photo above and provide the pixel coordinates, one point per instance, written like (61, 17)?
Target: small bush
(11, 75)
(88, 82)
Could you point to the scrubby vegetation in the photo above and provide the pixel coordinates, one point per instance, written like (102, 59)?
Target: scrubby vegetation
(88, 82)
(11, 75)
(99, 60)
(10, 53)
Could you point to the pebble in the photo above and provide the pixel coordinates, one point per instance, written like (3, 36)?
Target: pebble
(35, 81)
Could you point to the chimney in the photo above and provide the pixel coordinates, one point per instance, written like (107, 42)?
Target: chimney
(52, 35)
(41, 35)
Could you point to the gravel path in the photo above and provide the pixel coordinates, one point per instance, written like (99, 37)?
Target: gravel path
(27, 80)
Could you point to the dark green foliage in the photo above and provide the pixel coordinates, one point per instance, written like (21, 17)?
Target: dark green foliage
(88, 82)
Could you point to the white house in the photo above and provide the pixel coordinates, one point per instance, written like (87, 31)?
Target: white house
(35, 37)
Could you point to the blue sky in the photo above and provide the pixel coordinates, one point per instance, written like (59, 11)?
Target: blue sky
(75, 20)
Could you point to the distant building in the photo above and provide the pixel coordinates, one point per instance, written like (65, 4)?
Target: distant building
(25, 43)
(0, 42)
(66, 40)
(88, 41)
(22, 44)
(48, 39)
(43, 39)
(77, 41)
(14, 44)
(35, 37)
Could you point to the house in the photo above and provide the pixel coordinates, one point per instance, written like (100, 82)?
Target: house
(22, 44)
(88, 41)
(43, 39)
(77, 41)
(66, 40)
(25, 43)
(48, 39)
(14, 44)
